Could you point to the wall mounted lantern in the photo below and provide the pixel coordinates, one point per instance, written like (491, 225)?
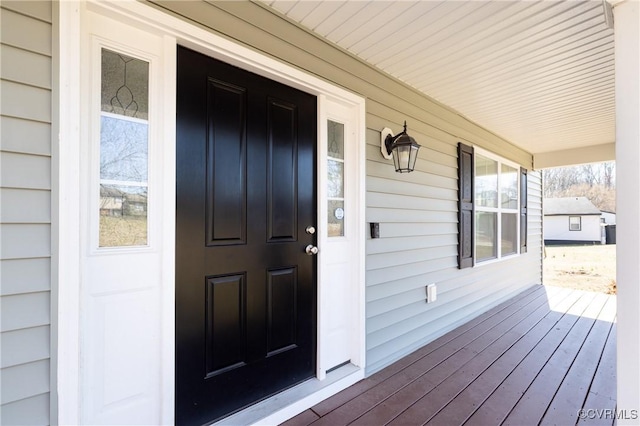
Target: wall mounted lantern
(402, 147)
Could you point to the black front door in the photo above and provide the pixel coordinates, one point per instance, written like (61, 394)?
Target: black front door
(246, 192)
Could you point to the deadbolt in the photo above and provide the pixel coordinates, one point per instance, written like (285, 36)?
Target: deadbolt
(310, 230)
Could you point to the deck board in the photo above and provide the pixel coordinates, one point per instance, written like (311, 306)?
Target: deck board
(421, 361)
(573, 392)
(497, 405)
(602, 394)
(537, 358)
(422, 399)
(451, 353)
(536, 399)
(460, 408)
(354, 391)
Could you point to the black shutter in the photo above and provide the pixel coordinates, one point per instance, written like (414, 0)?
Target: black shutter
(523, 210)
(465, 206)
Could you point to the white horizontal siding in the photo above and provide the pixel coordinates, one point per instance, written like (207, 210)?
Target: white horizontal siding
(24, 345)
(25, 211)
(25, 206)
(25, 171)
(25, 136)
(37, 9)
(19, 100)
(21, 311)
(23, 241)
(534, 215)
(25, 275)
(24, 381)
(422, 249)
(28, 411)
(25, 67)
(557, 228)
(23, 31)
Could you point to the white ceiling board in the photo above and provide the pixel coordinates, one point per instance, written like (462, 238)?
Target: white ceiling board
(321, 14)
(538, 73)
(302, 9)
(359, 25)
(340, 16)
(374, 36)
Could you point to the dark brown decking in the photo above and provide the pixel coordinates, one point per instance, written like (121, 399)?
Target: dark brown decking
(538, 358)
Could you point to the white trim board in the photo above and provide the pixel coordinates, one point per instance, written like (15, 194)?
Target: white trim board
(172, 31)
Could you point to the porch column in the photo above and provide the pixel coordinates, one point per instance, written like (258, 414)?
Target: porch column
(627, 74)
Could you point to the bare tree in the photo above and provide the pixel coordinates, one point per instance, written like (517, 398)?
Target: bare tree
(594, 181)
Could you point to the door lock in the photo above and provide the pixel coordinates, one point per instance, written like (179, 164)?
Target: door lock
(310, 230)
(311, 250)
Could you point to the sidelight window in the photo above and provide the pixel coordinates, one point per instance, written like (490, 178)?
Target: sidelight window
(335, 171)
(124, 158)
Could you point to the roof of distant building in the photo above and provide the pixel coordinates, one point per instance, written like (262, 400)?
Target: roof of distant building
(569, 206)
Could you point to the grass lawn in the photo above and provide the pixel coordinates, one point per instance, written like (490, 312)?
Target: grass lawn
(590, 268)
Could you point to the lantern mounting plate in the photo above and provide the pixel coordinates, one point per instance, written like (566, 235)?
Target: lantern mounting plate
(384, 134)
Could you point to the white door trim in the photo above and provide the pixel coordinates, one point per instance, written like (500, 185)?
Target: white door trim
(67, 273)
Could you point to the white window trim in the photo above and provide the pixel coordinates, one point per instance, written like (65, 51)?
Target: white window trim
(96, 114)
(67, 400)
(501, 160)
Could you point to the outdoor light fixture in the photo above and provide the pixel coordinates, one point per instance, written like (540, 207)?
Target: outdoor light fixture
(402, 147)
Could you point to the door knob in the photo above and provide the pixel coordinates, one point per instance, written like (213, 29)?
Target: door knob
(311, 250)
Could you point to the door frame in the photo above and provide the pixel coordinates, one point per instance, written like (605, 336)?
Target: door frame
(68, 188)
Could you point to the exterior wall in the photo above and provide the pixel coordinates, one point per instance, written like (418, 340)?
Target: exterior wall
(25, 211)
(609, 218)
(556, 228)
(417, 212)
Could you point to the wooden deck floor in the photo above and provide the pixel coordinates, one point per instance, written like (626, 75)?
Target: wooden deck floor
(538, 358)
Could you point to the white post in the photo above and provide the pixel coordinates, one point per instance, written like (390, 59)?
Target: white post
(627, 75)
(65, 269)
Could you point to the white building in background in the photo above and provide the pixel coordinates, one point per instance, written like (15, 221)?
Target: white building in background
(571, 220)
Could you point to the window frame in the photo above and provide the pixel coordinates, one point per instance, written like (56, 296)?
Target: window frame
(499, 210)
(579, 223)
(97, 45)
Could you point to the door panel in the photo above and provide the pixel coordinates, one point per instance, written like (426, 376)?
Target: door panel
(246, 190)
(282, 171)
(225, 323)
(226, 164)
(282, 323)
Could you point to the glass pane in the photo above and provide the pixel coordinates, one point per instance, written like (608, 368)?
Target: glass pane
(509, 187)
(336, 218)
(509, 243)
(335, 184)
(125, 85)
(486, 236)
(574, 223)
(124, 157)
(123, 149)
(486, 175)
(335, 143)
(123, 216)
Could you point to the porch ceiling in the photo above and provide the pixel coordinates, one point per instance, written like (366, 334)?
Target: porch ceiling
(540, 74)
